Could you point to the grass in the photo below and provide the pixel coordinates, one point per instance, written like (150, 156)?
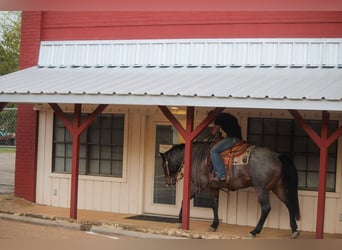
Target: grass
(7, 150)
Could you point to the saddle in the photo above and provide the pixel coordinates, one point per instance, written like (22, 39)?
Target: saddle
(237, 155)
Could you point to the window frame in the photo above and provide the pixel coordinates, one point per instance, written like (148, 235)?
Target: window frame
(306, 170)
(86, 175)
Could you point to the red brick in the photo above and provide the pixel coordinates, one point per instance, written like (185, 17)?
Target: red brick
(27, 125)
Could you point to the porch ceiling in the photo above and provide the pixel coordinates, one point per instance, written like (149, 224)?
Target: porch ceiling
(301, 88)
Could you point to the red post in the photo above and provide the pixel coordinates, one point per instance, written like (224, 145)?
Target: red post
(189, 134)
(187, 168)
(75, 161)
(76, 129)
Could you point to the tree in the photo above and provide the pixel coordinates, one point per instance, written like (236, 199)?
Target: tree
(10, 25)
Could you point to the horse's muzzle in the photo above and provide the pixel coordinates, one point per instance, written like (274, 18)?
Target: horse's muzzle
(170, 181)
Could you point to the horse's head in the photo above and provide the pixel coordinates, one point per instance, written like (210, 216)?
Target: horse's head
(172, 169)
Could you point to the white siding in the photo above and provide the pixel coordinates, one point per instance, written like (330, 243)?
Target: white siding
(128, 195)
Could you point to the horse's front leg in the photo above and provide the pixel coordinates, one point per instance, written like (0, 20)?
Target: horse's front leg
(214, 198)
(180, 217)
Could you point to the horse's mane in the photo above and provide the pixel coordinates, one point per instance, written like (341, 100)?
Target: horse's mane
(177, 148)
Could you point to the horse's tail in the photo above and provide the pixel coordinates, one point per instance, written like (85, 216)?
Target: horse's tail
(290, 178)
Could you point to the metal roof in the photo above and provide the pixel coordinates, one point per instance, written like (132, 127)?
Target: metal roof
(303, 88)
(292, 73)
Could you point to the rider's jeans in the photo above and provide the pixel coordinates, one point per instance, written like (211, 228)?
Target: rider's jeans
(216, 150)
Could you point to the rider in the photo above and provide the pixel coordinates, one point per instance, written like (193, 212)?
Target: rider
(229, 124)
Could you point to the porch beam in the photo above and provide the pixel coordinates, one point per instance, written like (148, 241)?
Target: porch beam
(323, 142)
(313, 135)
(167, 113)
(76, 128)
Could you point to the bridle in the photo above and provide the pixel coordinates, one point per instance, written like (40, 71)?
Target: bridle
(179, 175)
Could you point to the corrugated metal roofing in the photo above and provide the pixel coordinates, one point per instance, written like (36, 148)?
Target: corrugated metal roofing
(299, 52)
(239, 87)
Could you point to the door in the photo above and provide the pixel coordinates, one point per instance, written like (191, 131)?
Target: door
(160, 199)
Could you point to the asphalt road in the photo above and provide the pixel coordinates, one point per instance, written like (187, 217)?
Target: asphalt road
(14, 230)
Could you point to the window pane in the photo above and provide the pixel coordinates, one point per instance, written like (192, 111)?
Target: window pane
(270, 142)
(312, 147)
(313, 163)
(59, 134)
(300, 145)
(59, 150)
(94, 167)
(284, 144)
(255, 126)
(270, 126)
(106, 167)
(68, 165)
(301, 179)
(82, 166)
(331, 164)
(59, 165)
(106, 136)
(300, 162)
(94, 136)
(331, 182)
(94, 152)
(68, 149)
(106, 122)
(106, 152)
(117, 168)
(285, 127)
(312, 180)
(255, 139)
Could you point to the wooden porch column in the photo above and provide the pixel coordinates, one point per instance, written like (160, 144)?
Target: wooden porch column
(323, 142)
(76, 129)
(189, 135)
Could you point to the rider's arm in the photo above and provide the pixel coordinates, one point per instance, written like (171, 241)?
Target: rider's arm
(215, 130)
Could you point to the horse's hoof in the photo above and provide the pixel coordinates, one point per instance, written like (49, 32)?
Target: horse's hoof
(252, 236)
(179, 225)
(295, 235)
(212, 229)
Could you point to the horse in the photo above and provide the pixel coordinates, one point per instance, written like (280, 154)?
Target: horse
(266, 171)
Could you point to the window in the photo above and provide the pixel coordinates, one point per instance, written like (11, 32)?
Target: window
(101, 146)
(286, 136)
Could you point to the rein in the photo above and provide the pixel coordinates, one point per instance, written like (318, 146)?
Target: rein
(179, 175)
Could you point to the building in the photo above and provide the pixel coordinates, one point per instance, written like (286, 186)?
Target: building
(257, 65)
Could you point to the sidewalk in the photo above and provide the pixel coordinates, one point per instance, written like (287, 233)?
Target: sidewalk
(19, 209)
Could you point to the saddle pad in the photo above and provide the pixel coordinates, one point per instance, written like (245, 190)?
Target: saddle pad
(230, 158)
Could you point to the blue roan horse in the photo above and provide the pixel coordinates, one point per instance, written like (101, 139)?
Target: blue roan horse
(266, 171)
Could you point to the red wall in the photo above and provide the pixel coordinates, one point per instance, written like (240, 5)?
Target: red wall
(26, 143)
(150, 25)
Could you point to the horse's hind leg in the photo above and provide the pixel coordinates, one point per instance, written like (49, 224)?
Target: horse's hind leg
(280, 193)
(265, 210)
